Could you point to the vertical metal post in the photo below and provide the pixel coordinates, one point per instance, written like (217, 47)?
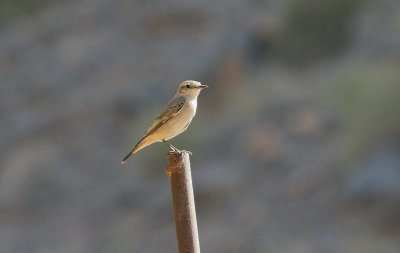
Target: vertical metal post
(183, 201)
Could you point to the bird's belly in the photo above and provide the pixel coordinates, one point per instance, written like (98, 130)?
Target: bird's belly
(177, 124)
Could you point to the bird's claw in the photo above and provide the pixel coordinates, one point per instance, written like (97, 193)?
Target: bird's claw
(185, 151)
(179, 151)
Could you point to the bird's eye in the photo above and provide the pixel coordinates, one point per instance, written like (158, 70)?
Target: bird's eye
(187, 86)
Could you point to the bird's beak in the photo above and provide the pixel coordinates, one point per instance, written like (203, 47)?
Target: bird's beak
(202, 86)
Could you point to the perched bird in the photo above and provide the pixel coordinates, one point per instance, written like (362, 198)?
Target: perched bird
(174, 118)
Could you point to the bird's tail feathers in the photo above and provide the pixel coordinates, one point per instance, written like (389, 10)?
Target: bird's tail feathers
(138, 146)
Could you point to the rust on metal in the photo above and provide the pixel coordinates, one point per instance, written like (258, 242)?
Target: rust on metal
(183, 201)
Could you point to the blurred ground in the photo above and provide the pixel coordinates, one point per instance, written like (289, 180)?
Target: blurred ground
(296, 145)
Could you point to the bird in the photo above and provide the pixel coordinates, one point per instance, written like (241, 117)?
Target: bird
(173, 119)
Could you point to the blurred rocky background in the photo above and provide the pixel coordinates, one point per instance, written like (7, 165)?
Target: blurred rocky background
(296, 145)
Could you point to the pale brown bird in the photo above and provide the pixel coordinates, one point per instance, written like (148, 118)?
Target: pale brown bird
(174, 118)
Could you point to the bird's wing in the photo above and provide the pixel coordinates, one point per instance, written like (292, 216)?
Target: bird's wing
(169, 111)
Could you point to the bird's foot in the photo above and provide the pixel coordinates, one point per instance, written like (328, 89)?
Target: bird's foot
(186, 151)
(179, 151)
(174, 149)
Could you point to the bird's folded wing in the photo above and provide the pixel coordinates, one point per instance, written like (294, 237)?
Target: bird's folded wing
(169, 111)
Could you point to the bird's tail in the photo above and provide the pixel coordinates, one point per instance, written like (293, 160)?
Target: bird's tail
(138, 146)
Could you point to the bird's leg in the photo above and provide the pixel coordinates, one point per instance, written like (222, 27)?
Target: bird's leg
(170, 146)
(173, 148)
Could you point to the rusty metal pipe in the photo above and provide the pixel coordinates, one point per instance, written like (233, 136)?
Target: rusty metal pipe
(183, 201)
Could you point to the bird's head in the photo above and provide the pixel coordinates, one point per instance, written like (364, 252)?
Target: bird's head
(190, 88)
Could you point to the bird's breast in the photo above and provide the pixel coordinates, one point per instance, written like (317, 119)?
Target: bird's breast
(187, 112)
(193, 103)
(178, 123)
